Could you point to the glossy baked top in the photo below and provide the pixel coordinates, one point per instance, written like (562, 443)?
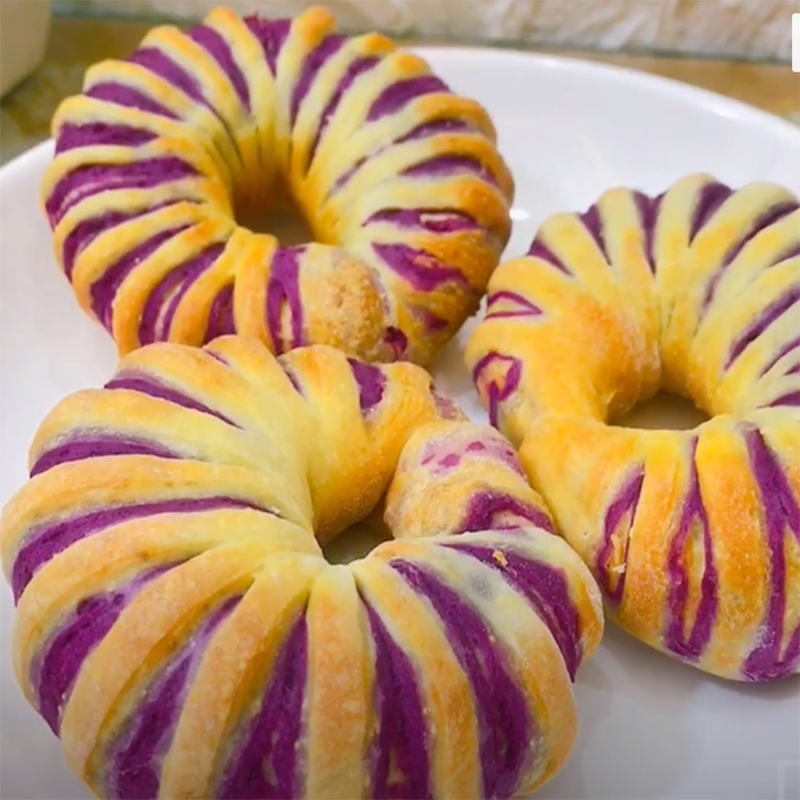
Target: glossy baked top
(694, 536)
(398, 178)
(179, 628)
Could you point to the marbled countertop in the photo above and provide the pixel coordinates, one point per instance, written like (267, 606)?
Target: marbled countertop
(76, 43)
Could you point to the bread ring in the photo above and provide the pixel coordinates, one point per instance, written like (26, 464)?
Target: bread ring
(694, 536)
(179, 628)
(398, 178)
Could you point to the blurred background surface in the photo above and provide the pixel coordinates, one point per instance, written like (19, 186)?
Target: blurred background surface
(754, 29)
(740, 48)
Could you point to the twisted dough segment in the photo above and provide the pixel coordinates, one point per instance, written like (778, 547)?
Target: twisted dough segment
(694, 536)
(398, 178)
(179, 628)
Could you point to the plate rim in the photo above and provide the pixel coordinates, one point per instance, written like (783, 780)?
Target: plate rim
(622, 74)
(709, 100)
(710, 694)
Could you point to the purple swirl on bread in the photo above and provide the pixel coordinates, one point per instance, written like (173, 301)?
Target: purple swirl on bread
(180, 629)
(392, 170)
(694, 291)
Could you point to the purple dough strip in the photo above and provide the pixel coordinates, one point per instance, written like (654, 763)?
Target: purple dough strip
(402, 738)
(770, 217)
(89, 180)
(220, 317)
(501, 707)
(266, 760)
(199, 265)
(500, 451)
(134, 381)
(649, 209)
(694, 510)
(213, 43)
(218, 357)
(448, 221)
(450, 461)
(788, 399)
(483, 507)
(371, 384)
(173, 286)
(444, 165)
(84, 233)
(711, 197)
(524, 306)
(432, 323)
(134, 757)
(127, 97)
(55, 667)
(271, 35)
(397, 95)
(51, 538)
(93, 134)
(447, 455)
(105, 289)
(96, 445)
(781, 511)
(792, 252)
(593, 223)
(445, 407)
(283, 287)
(545, 588)
(157, 62)
(437, 126)
(357, 67)
(787, 348)
(768, 315)
(626, 501)
(422, 271)
(396, 340)
(313, 63)
(539, 249)
(438, 163)
(345, 176)
(497, 393)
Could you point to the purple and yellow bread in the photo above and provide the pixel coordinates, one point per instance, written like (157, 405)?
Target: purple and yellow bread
(179, 628)
(693, 536)
(398, 178)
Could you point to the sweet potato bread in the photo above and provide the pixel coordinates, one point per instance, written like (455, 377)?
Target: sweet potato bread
(179, 628)
(694, 536)
(398, 178)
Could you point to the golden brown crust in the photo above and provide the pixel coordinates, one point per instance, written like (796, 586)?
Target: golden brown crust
(694, 536)
(179, 628)
(400, 181)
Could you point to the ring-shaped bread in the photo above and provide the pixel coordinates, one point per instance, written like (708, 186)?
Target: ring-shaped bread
(398, 178)
(178, 626)
(694, 536)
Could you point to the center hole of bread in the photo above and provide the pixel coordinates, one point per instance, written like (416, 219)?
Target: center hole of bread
(664, 411)
(358, 540)
(283, 220)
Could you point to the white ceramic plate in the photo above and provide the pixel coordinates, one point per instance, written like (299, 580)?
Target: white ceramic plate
(649, 727)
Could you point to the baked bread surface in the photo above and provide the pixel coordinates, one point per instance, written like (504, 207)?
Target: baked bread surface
(178, 626)
(398, 178)
(693, 536)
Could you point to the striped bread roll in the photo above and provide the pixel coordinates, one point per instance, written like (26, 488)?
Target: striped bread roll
(693, 535)
(398, 178)
(178, 626)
